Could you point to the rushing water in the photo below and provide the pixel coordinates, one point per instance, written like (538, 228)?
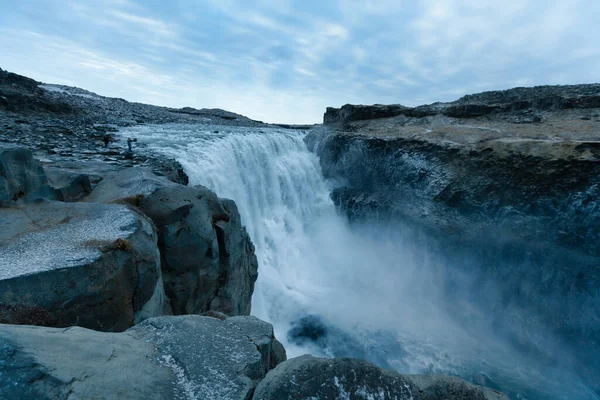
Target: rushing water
(335, 289)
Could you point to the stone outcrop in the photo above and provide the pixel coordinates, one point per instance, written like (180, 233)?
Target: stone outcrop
(307, 377)
(127, 183)
(91, 265)
(186, 357)
(97, 263)
(21, 175)
(503, 186)
(517, 100)
(208, 258)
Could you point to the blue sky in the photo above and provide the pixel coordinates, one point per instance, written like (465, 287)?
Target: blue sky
(286, 60)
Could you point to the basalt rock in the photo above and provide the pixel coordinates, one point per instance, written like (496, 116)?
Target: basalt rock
(186, 357)
(22, 176)
(91, 265)
(540, 98)
(307, 377)
(208, 259)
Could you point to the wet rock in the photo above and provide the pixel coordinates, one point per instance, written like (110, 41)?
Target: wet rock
(161, 358)
(208, 259)
(345, 378)
(91, 265)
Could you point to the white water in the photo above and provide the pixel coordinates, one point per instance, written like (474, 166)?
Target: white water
(379, 291)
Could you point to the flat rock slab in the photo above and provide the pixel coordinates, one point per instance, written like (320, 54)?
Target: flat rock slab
(308, 377)
(92, 265)
(186, 357)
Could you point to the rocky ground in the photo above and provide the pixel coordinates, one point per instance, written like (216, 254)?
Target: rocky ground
(117, 280)
(65, 122)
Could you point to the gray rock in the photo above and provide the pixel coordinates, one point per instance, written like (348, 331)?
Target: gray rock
(208, 259)
(91, 265)
(187, 357)
(307, 377)
(68, 186)
(21, 176)
(127, 183)
(263, 337)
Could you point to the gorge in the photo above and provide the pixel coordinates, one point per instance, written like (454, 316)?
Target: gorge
(453, 242)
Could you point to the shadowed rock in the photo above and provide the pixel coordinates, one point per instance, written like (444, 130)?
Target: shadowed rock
(21, 176)
(208, 259)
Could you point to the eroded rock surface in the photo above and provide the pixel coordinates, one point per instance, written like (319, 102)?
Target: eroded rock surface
(91, 265)
(21, 175)
(308, 377)
(208, 258)
(187, 357)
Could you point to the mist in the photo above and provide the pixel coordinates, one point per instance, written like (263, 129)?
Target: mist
(385, 291)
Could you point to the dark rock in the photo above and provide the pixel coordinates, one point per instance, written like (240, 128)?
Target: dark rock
(190, 357)
(91, 265)
(345, 378)
(351, 112)
(208, 258)
(67, 185)
(127, 183)
(21, 176)
(309, 328)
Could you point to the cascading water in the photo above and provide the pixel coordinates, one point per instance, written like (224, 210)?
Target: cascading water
(335, 289)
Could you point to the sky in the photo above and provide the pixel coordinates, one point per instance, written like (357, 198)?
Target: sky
(287, 60)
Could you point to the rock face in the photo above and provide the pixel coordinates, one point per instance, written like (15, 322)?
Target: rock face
(208, 258)
(189, 357)
(504, 186)
(21, 175)
(90, 265)
(344, 378)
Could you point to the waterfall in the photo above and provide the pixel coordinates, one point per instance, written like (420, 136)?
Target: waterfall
(376, 292)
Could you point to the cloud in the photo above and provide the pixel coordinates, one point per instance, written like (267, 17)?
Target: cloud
(286, 60)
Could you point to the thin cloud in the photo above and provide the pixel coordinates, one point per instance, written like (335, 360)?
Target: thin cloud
(285, 61)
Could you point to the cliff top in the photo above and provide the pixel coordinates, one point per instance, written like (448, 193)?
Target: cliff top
(544, 121)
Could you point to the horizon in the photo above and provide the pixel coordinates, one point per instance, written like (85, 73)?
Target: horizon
(285, 61)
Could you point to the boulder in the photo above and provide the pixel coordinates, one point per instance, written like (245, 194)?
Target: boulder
(68, 185)
(208, 259)
(308, 377)
(185, 357)
(21, 176)
(127, 183)
(91, 265)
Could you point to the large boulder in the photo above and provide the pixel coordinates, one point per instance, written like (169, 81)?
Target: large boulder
(127, 183)
(208, 259)
(91, 265)
(69, 185)
(21, 175)
(308, 377)
(186, 357)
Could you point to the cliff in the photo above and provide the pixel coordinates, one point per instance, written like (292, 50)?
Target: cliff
(506, 184)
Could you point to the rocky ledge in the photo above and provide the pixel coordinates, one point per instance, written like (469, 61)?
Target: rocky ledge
(504, 185)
